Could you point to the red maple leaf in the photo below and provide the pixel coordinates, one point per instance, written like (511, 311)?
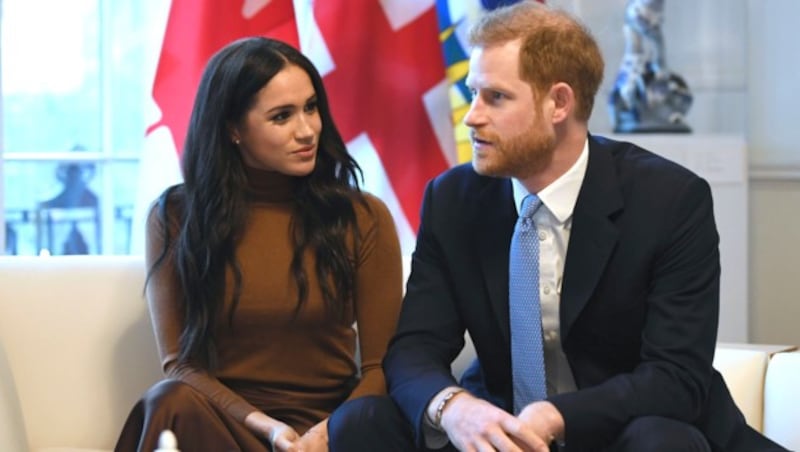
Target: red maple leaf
(195, 31)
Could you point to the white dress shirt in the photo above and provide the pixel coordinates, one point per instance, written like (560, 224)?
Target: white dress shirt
(553, 222)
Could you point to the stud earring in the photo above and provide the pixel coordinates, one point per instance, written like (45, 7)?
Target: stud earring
(236, 141)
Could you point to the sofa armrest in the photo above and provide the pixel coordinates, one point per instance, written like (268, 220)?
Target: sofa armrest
(80, 346)
(782, 400)
(743, 371)
(12, 430)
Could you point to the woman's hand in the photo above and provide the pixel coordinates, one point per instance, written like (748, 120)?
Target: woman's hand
(282, 438)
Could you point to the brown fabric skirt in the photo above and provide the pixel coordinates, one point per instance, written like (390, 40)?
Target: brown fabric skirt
(196, 422)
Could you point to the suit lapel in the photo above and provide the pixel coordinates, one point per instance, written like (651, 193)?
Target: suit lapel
(495, 218)
(593, 236)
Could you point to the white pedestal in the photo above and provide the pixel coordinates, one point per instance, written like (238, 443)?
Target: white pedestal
(722, 161)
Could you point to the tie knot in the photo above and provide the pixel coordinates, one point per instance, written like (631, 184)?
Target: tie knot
(529, 206)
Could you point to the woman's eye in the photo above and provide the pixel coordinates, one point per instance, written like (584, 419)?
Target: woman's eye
(310, 107)
(280, 117)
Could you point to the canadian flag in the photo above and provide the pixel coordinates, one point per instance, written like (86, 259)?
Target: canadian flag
(382, 67)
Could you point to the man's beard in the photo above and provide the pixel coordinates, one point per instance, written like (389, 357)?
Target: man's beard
(520, 156)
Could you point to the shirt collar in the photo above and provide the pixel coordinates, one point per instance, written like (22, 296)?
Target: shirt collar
(560, 196)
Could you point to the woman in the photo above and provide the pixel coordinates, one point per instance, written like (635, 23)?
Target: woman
(259, 265)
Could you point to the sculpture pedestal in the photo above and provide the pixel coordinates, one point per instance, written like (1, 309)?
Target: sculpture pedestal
(722, 161)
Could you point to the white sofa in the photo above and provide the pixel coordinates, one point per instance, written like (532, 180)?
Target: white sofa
(79, 347)
(77, 351)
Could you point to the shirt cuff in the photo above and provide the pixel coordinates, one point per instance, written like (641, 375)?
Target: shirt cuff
(433, 437)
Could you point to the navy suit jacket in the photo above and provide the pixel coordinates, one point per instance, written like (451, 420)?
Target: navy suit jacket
(639, 302)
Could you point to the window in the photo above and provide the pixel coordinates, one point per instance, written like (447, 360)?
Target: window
(76, 102)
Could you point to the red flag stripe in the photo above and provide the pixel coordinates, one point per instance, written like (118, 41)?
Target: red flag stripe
(377, 87)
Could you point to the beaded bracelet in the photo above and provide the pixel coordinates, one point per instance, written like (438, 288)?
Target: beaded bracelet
(437, 420)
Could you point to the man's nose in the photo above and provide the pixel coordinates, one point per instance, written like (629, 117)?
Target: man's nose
(475, 115)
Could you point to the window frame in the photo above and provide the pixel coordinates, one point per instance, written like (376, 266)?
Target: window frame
(105, 158)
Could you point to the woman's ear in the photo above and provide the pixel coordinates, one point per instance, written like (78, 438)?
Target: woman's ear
(233, 132)
(563, 98)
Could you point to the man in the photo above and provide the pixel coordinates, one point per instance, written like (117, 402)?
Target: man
(625, 268)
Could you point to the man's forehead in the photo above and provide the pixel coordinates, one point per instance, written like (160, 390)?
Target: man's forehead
(497, 64)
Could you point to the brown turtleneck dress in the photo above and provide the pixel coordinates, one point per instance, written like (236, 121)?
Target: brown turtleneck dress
(297, 370)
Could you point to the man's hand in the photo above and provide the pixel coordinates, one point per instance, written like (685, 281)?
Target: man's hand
(475, 425)
(315, 439)
(544, 419)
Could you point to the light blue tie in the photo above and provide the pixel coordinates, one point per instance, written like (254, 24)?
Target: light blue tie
(527, 355)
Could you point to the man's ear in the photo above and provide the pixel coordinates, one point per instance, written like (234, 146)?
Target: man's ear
(563, 99)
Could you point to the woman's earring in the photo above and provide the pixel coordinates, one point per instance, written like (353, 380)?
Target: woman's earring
(236, 141)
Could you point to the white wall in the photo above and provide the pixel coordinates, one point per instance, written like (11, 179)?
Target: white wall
(773, 51)
(739, 58)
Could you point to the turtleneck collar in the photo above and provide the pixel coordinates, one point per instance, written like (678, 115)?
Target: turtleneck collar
(270, 186)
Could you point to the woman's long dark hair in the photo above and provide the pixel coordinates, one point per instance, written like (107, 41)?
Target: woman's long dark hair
(211, 209)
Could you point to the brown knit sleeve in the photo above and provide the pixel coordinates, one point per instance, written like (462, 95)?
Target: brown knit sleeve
(379, 291)
(163, 294)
